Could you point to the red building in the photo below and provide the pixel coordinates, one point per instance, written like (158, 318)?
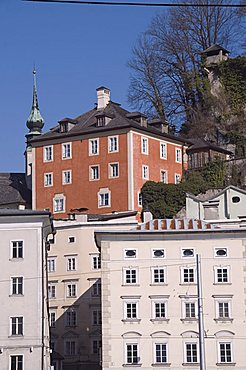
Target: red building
(100, 160)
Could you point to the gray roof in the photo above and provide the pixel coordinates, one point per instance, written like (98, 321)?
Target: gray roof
(14, 191)
(212, 194)
(199, 144)
(214, 48)
(86, 124)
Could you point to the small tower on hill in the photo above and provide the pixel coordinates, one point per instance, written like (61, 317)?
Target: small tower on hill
(35, 123)
(214, 55)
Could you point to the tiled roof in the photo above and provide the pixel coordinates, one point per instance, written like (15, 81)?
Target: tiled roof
(14, 191)
(213, 48)
(203, 144)
(175, 224)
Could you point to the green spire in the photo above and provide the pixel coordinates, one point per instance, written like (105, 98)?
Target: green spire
(35, 121)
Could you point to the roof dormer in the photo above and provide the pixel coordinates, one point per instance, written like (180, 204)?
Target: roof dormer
(66, 124)
(103, 118)
(157, 123)
(138, 117)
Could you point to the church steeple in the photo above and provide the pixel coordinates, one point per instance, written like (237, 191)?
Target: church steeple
(35, 121)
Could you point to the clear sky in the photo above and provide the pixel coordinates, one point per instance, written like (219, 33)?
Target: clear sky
(76, 48)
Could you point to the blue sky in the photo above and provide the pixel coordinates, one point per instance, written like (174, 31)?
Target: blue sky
(76, 48)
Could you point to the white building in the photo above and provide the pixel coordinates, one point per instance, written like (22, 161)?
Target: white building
(149, 296)
(24, 339)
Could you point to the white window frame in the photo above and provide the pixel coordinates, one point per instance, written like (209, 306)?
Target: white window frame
(113, 144)
(71, 262)
(52, 318)
(186, 354)
(60, 198)
(184, 249)
(130, 249)
(125, 277)
(70, 353)
(96, 316)
(216, 280)
(164, 178)
(100, 194)
(48, 158)
(18, 249)
(145, 145)
(51, 290)
(71, 317)
(177, 178)
(189, 280)
(66, 175)
(19, 326)
(159, 301)
(17, 365)
(156, 250)
(94, 170)
(96, 261)
(163, 153)
(160, 343)
(70, 240)
(51, 264)
(145, 172)
(71, 289)
(159, 268)
(133, 304)
(225, 342)
(189, 301)
(178, 155)
(18, 284)
(66, 151)
(219, 248)
(92, 150)
(132, 343)
(48, 179)
(223, 301)
(96, 288)
(111, 170)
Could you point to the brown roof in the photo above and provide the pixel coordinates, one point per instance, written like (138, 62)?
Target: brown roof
(175, 224)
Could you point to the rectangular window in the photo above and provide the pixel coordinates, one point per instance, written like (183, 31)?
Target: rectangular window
(70, 347)
(163, 176)
(17, 249)
(96, 289)
(104, 199)
(113, 169)
(163, 150)
(188, 275)
(158, 275)
(48, 179)
(48, 153)
(52, 291)
(96, 317)
(51, 264)
(132, 356)
(71, 239)
(71, 317)
(222, 275)
(140, 199)
(191, 353)
(71, 290)
(145, 172)
(113, 144)
(66, 150)
(96, 346)
(131, 310)
(160, 353)
(66, 177)
(190, 310)
(16, 325)
(225, 352)
(130, 276)
(17, 285)
(145, 146)
(178, 156)
(94, 172)
(177, 179)
(160, 310)
(59, 204)
(17, 362)
(223, 309)
(93, 146)
(71, 263)
(52, 319)
(96, 262)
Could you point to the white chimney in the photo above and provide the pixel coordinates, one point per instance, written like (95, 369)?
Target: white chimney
(103, 97)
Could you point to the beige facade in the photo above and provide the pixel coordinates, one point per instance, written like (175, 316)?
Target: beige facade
(75, 289)
(149, 296)
(24, 339)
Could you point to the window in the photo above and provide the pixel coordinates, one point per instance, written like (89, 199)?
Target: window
(222, 275)
(17, 249)
(51, 263)
(96, 346)
(188, 253)
(158, 253)
(132, 355)
(190, 310)
(191, 355)
(96, 262)
(96, 288)
(158, 275)
(130, 276)
(223, 310)
(113, 169)
(96, 317)
(71, 290)
(93, 146)
(16, 362)
(163, 150)
(178, 156)
(16, 325)
(71, 239)
(59, 203)
(48, 179)
(17, 285)
(159, 310)
(130, 253)
(48, 153)
(51, 291)
(163, 176)
(66, 151)
(131, 310)
(70, 347)
(145, 146)
(71, 263)
(235, 199)
(113, 144)
(145, 172)
(52, 316)
(160, 353)
(188, 275)
(225, 352)
(71, 317)
(104, 198)
(177, 179)
(220, 252)
(140, 199)
(94, 172)
(66, 177)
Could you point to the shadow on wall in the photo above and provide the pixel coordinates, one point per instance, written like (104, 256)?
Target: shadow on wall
(76, 334)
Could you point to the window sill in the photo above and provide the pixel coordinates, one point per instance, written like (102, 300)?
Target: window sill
(16, 295)
(184, 283)
(130, 284)
(226, 364)
(162, 284)
(161, 364)
(132, 365)
(192, 319)
(16, 336)
(221, 283)
(131, 320)
(160, 320)
(190, 364)
(224, 320)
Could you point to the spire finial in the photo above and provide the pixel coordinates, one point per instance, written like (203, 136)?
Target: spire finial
(35, 121)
